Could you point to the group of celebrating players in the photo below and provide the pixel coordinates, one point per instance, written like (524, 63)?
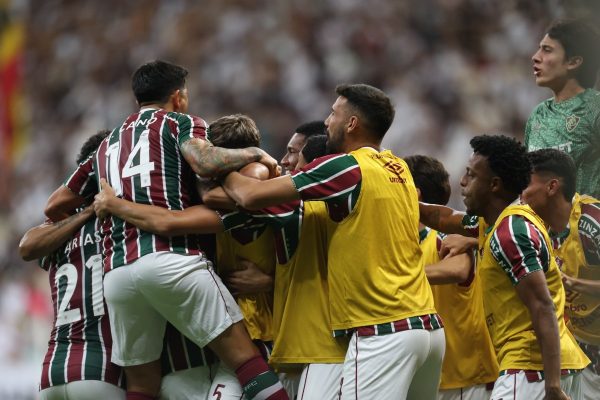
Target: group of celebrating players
(183, 265)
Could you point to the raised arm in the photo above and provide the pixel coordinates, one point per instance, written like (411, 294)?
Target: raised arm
(253, 195)
(47, 237)
(62, 204)
(210, 162)
(217, 198)
(442, 218)
(158, 220)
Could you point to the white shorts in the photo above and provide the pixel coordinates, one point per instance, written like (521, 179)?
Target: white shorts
(187, 384)
(161, 287)
(290, 382)
(320, 382)
(516, 387)
(590, 385)
(399, 365)
(225, 385)
(83, 390)
(475, 392)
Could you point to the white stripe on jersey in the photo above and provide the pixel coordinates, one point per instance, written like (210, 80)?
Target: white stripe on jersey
(81, 280)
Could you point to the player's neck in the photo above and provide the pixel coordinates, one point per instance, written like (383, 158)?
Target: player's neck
(558, 214)
(570, 89)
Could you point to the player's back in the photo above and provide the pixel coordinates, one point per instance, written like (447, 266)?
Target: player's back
(80, 343)
(141, 160)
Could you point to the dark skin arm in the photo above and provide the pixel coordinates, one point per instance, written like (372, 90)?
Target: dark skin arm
(583, 286)
(209, 161)
(457, 244)
(62, 203)
(455, 269)
(441, 218)
(47, 237)
(158, 220)
(533, 292)
(248, 279)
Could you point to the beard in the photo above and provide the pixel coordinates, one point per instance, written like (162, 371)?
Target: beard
(334, 143)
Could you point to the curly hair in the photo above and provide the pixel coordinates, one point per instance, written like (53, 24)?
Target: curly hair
(556, 163)
(430, 177)
(507, 158)
(91, 145)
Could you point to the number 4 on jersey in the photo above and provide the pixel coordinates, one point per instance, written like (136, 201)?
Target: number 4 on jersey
(143, 169)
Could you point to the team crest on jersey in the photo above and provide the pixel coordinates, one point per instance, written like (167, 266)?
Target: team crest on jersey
(572, 121)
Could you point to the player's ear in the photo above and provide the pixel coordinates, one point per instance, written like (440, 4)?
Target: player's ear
(574, 62)
(175, 99)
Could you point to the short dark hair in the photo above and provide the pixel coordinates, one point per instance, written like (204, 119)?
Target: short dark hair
(315, 147)
(372, 104)
(556, 163)
(155, 81)
(235, 131)
(91, 145)
(431, 178)
(507, 158)
(578, 38)
(312, 128)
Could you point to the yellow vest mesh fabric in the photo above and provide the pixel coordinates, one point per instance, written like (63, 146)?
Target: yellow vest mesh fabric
(469, 358)
(301, 302)
(257, 309)
(583, 311)
(508, 319)
(375, 264)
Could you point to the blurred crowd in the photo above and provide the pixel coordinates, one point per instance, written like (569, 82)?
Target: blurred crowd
(454, 68)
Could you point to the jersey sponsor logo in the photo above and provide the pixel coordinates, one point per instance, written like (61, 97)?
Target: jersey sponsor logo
(571, 122)
(396, 169)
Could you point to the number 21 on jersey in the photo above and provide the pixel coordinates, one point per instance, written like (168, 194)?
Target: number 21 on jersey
(69, 271)
(143, 168)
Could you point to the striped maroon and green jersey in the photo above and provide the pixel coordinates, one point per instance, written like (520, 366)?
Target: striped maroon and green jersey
(519, 248)
(80, 343)
(471, 224)
(180, 353)
(142, 161)
(335, 179)
(588, 228)
(284, 219)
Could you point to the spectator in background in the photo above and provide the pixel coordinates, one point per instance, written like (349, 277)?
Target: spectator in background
(567, 63)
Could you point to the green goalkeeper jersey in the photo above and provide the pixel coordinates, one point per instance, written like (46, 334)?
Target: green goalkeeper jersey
(572, 126)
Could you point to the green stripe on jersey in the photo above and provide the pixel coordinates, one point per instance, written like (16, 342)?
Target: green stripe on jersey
(324, 172)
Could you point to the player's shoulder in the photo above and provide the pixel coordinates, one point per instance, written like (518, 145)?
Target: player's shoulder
(183, 117)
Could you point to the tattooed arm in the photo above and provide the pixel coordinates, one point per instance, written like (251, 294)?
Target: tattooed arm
(47, 237)
(209, 161)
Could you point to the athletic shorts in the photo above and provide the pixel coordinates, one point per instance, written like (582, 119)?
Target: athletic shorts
(187, 384)
(160, 287)
(83, 390)
(400, 365)
(516, 387)
(320, 382)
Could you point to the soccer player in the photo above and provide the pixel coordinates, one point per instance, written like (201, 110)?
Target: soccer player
(523, 296)
(567, 63)
(151, 158)
(78, 363)
(73, 356)
(574, 227)
(297, 141)
(378, 291)
(469, 361)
